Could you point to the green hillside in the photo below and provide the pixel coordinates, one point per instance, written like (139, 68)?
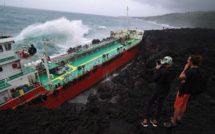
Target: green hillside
(190, 19)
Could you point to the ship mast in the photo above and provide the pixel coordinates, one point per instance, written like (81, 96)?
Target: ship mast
(45, 56)
(127, 20)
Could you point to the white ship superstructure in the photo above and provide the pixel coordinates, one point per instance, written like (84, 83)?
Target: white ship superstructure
(12, 73)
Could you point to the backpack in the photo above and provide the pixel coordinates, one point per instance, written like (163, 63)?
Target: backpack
(201, 83)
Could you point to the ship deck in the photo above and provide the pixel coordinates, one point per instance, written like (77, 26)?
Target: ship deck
(89, 61)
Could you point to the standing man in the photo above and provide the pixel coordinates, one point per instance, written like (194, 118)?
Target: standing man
(189, 80)
(163, 76)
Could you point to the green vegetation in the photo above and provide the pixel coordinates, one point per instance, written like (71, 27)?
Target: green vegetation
(189, 19)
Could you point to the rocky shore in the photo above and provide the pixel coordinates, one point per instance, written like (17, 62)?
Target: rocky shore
(119, 105)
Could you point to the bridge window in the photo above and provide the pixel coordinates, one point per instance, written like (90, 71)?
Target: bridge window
(7, 46)
(1, 49)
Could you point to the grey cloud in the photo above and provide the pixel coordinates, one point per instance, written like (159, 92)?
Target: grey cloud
(182, 5)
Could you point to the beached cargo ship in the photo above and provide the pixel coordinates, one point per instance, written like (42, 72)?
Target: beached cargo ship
(55, 80)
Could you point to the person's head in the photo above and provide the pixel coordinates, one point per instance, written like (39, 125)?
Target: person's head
(195, 60)
(167, 61)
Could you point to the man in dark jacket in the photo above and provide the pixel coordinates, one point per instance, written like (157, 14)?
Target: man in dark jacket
(189, 81)
(163, 76)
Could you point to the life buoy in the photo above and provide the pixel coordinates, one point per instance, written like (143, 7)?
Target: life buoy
(43, 98)
(56, 93)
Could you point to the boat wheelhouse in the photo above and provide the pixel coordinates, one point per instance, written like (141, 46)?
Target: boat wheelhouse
(12, 73)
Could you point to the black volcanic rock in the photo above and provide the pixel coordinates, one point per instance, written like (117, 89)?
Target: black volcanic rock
(119, 105)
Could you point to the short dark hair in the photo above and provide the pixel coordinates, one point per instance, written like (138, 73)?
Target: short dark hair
(196, 59)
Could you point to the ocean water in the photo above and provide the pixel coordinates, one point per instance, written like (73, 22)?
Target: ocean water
(33, 26)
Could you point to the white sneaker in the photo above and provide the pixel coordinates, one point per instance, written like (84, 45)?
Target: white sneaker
(144, 124)
(154, 125)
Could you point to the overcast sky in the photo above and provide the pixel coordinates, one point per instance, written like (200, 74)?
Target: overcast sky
(117, 7)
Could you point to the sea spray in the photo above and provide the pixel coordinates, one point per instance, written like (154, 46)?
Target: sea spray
(102, 27)
(67, 33)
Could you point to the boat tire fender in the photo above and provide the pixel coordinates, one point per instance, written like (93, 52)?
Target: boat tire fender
(32, 50)
(88, 73)
(43, 98)
(80, 78)
(84, 76)
(35, 101)
(28, 103)
(74, 81)
(95, 68)
(65, 86)
(70, 83)
(56, 93)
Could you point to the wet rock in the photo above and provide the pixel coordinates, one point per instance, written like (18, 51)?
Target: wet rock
(130, 118)
(100, 89)
(92, 97)
(211, 102)
(119, 105)
(123, 74)
(105, 95)
(115, 99)
(135, 93)
(79, 108)
(138, 83)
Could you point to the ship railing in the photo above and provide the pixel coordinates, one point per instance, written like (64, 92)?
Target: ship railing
(89, 67)
(4, 84)
(96, 46)
(5, 78)
(26, 69)
(47, 86)
(70, 76)
(11, 75)
(8, 55)
(75, 74)
(16, 74)
(5, 35)
(91, 46)
(83, 50)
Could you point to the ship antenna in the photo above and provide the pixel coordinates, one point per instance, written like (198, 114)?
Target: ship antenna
(127, 20)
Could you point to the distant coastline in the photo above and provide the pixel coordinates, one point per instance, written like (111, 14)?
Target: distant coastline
(185, 20)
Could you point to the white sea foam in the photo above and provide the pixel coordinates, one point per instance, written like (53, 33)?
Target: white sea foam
(102, 27)
(164, 25)
(68, 33)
